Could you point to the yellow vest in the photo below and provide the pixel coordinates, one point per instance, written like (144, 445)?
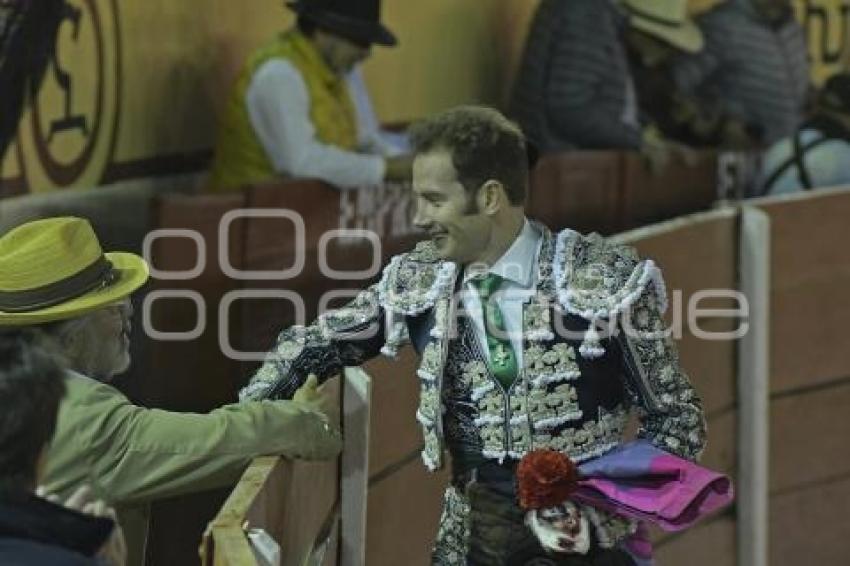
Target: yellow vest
(239, 156)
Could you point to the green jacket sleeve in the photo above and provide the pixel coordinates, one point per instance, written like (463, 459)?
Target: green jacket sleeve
(133, 454)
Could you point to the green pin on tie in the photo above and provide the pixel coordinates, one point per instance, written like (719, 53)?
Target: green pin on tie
(503, 362)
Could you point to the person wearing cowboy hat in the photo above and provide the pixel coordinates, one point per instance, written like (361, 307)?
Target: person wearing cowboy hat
(575, 87)
(658, 35)
(300, 107)
(754, 67)
(56, 279)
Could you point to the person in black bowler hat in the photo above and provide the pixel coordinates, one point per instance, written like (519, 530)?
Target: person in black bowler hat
(300, 107)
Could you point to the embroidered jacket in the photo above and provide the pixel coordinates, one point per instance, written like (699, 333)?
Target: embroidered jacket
(594, 347)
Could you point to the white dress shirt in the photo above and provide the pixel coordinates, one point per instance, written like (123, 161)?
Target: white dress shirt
(279, 109)
(518, 268)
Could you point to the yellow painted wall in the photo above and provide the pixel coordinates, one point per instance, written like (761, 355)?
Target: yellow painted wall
(149, 77)
(827, 24)
(164, 69)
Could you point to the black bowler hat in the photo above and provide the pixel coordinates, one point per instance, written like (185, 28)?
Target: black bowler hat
(358, 20)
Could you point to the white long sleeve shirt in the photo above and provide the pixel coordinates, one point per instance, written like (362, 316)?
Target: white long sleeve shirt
(279, 109)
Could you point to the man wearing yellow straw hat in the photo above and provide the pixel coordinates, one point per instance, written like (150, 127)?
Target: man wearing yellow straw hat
(54, 276)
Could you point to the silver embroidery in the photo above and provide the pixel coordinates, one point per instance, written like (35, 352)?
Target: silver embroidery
(453, 535)
(550, 365)
(593, 438)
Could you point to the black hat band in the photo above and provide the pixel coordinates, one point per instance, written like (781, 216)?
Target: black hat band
(98, 274)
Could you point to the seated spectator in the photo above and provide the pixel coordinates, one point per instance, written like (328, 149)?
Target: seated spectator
(754, 70)
(35, 531)
(575, 88)
(678, 116)
(54, 276)
(300, 106)
(818, 154)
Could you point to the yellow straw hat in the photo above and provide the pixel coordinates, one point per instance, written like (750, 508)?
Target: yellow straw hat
(55, 269)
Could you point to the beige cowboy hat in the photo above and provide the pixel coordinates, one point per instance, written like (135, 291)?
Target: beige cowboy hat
(667, 20)
(54, 269)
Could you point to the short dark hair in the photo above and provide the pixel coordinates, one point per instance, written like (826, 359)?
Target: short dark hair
(483, 144)
(31, 387)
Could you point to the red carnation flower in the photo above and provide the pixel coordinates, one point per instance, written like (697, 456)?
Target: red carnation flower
(545, 478)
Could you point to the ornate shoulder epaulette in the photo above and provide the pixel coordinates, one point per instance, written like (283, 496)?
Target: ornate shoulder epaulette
(598, 280)
(413, 281)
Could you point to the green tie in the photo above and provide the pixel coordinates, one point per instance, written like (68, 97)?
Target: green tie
(503, 362)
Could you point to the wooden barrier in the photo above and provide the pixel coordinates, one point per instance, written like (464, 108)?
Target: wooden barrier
(808, 468)
(293, 502)
(810, 377)
(681, 188)
(404, 499)
(810, 278)
(583, 190)
(608, 192)
(290, 501)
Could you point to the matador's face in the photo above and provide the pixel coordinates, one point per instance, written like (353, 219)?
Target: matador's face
(444, 209)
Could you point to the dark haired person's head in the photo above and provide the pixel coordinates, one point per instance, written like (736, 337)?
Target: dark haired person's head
(470, 180)
(343, 31)
(31, 387)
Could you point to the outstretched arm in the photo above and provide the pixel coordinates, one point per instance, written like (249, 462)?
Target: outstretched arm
(134, 454)
(345, 337)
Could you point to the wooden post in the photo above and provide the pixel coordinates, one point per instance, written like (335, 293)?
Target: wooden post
(754, 391)
(357, 396)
